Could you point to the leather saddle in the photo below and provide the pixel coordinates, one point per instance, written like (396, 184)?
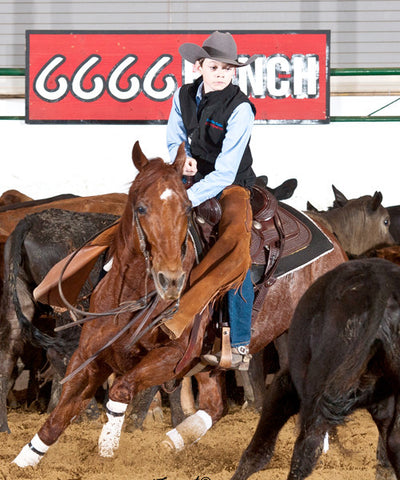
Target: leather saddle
(276, 232)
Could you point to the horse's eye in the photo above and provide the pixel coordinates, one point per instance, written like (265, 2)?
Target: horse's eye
(141, 210)
(386, 221)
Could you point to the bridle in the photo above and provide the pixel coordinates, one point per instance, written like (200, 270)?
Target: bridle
(146, 304)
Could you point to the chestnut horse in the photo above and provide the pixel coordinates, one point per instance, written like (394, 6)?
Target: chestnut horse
(152, 258)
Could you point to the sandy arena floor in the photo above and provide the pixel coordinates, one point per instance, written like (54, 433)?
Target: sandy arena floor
(214, 457)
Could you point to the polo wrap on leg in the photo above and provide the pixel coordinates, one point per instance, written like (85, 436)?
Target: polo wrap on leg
(111, 432)
(32, 453)
(189, 431)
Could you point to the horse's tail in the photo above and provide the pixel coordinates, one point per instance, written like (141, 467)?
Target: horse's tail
(340, 395)
(13, 260)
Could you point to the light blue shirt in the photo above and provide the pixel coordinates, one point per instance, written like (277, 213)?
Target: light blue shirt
(239, 127)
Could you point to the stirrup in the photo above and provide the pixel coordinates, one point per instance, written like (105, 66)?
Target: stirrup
(239, 359)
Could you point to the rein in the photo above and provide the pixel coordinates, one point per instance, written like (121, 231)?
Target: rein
(138, 334)
(128, 306)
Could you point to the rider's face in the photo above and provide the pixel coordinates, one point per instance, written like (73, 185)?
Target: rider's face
(216, 75)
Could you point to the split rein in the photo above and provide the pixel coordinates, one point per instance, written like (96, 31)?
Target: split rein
(146, 304)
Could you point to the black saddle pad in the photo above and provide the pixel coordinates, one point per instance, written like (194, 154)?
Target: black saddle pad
(319, 245)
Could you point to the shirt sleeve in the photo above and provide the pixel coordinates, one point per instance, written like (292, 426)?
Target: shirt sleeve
(176, 131)
(239, 128)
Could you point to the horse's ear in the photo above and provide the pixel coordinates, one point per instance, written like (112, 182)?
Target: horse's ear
(138, 157)
(340, 199)
(310, 207)
(376, 201)
(180, 158)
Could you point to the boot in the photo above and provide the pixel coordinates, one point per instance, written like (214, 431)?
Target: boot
(240, 358)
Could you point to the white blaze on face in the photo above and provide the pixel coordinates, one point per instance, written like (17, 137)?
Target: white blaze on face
(167, 193)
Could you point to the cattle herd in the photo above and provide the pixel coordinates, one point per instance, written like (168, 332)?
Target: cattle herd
(343, 345)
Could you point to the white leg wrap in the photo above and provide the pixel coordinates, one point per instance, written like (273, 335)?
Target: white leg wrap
(32, 453)
(326, 442)
(189, 431)
(111, 432)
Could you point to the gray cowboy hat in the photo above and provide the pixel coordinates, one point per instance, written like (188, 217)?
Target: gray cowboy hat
(218, 46)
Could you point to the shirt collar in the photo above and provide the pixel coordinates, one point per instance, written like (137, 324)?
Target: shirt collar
(199, 94)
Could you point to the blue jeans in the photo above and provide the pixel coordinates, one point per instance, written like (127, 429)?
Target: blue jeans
(240, 305)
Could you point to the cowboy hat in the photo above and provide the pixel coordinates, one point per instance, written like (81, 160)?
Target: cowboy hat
(218, 46)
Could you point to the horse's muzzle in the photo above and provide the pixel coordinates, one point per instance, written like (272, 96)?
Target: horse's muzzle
(169, 284)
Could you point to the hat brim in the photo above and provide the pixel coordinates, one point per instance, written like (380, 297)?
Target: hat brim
(192, 52)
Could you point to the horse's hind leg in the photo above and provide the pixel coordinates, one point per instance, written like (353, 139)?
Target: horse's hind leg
(280, 403)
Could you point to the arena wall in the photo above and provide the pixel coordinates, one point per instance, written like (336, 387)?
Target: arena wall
(357, 157)
(365, 33)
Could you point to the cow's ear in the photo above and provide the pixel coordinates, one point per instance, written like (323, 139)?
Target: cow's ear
(180, 158)
(340, 199)
(138, 157)
(376, 201)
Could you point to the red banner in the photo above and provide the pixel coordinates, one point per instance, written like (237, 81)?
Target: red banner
(130, 77)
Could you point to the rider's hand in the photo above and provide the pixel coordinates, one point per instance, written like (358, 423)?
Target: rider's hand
(190, 167)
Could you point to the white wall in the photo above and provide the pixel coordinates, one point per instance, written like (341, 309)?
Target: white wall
(358, 158)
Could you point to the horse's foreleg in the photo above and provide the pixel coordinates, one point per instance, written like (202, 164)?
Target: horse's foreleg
(155, 369)
(111, 431)
(75, 396)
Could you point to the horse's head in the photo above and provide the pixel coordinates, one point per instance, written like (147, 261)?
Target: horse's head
(160, 209)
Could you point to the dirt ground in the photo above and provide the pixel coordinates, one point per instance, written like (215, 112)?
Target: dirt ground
(141, 455)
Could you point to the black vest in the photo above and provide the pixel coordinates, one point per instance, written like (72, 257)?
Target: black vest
(206, 128)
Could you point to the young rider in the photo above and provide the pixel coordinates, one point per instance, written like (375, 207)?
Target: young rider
(215, 118)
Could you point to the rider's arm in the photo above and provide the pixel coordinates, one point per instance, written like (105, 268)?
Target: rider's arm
(237, 136)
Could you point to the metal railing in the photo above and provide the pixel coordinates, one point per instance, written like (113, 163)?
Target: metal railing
(356, 72)
(334, 72)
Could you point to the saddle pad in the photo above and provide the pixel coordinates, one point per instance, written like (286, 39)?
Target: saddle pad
(318, 246)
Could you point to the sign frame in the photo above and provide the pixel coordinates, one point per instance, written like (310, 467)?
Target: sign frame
(31, 102)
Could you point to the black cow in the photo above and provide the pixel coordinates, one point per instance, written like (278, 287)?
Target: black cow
(344, 354)
(38, 242)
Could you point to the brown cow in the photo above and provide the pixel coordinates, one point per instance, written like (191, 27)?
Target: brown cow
(108, 203)
(10, 197)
